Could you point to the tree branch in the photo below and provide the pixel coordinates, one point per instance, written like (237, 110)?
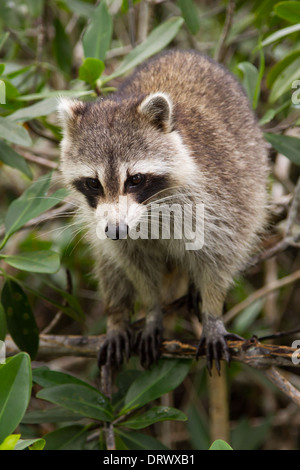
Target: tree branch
(250, 351)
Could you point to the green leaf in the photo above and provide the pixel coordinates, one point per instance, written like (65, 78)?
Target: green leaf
(80, 399)
(14, 133)
(154, 415)
(284, 80)
(3, 326)
(33, 444)
(54, 414)
(37, 262)
(198, 427)
(137, 441)
(159, 38)
(35, 7)
(91, 70)
(97, 37)
(15, 391)
(80, 8)
(2, 68)
(11, 158)
(73, 308)
(245, 436)
(250, 78)
(42, 108)
(62, 48)
(280, 34)
(280, 66)
(271, 113)
(54, 93)
(163, 378)
(289, 11)
(285, 144)
(267, 117)
(247, 316)
(33, 202)
(220, 445)
(49, 378)
(67, 438)
(10, 442)
(190, 14)
(19, 317)
(3, 39)
(19, 71)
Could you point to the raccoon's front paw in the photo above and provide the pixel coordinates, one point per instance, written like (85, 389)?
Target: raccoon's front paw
(117, 343)
(147, 344)
(214, 338)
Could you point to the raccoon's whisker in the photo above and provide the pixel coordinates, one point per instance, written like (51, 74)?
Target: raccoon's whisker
(54, 198)
(62, 229)
(81, 238)
(161, 191)
(171, 196)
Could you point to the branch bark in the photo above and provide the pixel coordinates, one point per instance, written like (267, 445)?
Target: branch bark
(250, 351)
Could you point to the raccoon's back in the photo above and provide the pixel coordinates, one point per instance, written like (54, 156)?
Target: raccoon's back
(194, 82)
(208, 100)
(211, 112)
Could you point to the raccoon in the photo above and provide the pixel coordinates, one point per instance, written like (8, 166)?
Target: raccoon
(179, 132)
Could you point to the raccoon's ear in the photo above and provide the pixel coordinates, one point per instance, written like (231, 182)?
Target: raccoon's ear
(69, 111)
(157, 108)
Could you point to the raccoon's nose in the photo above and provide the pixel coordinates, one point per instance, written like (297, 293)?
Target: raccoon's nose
(116, 232)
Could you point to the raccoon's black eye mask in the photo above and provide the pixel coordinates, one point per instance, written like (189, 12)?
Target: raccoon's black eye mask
(135, 181)
(91, 188)
(143, 187)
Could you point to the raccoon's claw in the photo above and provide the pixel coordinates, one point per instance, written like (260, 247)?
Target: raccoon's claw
(116, 344)
(147, 344)
(214, 338)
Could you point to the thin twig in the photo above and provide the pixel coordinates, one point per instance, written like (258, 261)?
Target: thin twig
(131, 23)
(288, 239)
(261, 293)
(283, 384)
(39, 133)
(221, 47)
(59, 314)
(21, 43)
(143, 23)
(118, 51)
(106, 383)
(40, 160)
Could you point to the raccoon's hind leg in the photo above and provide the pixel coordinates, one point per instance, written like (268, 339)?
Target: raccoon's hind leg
(214, 334)
(118, 295)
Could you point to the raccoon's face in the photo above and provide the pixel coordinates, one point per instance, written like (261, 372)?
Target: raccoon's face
(120, 155)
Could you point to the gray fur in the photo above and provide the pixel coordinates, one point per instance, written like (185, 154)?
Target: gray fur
(184, 117)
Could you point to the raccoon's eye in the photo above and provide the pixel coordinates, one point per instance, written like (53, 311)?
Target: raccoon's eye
(93, 184)
(136, 180)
